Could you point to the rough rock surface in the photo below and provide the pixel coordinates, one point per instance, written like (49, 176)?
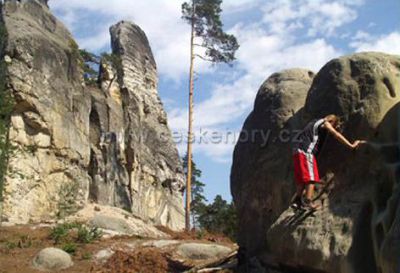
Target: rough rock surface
(50, 259)
(115, 221)
(357, 230)
(260, 196)
(107, 143)
(155, 173)
(49, 126)
(197, 251)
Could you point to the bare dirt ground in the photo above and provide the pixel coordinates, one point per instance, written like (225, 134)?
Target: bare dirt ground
(20, 244)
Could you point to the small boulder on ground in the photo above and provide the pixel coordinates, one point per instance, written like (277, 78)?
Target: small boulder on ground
(115, 221)
(52, 259)
(196, 251)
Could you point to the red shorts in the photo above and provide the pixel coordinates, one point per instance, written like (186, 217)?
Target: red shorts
(305, 168)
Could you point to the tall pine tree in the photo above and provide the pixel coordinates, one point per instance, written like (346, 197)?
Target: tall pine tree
(204, 17)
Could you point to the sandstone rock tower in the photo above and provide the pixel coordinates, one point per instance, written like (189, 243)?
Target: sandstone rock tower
(108, 143)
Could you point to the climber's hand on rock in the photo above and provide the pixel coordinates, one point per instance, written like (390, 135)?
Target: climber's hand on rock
(358, 143)
(355, 144)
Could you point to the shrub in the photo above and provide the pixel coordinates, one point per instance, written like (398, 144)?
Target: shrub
(86, 235)
(67, 204)
(114, 60)
(70, 247)
(59, 233)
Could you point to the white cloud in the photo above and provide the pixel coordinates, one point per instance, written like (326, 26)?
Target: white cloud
(388, 43)
(316, 16)
(233, 6)
(96, 42)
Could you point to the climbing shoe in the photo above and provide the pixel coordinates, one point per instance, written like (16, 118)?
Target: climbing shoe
(310, 205)
(296, 203)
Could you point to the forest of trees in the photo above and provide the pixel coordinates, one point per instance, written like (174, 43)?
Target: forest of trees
(218, 216)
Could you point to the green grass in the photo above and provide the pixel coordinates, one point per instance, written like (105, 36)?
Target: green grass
(70, 247)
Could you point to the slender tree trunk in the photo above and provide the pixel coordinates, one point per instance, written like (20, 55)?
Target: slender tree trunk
(193, 215)
(190, 127)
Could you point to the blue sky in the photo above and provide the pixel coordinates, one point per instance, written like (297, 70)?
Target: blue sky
(273, 34)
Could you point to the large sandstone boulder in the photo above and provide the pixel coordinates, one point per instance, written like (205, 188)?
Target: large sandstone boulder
(260, 176)
(108, 143)
(357, 230)
(49, 125)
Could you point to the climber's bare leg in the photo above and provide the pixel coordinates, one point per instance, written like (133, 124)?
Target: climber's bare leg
(309, 196)
(310, 190)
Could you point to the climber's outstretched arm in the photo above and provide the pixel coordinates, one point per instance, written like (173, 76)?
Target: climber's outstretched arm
(340, 137)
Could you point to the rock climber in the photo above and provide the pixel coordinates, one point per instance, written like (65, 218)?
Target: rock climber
(305, 148)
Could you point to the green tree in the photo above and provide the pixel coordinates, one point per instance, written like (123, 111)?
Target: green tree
(204, 17)
(89, 62)
(219, 217)
(198, 199)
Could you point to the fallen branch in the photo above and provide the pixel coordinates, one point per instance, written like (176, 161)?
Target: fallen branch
(218, 269)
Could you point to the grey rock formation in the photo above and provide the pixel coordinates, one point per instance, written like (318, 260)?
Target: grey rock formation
(51, 259)
(108, 144)
(357, 230)
(261, 163)
(49, 126)
(134, 162)
(115, 221)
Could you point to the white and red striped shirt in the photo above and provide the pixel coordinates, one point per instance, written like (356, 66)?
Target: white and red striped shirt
(309, 140)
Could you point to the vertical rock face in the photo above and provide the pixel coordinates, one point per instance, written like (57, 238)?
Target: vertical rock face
(155, 172)
(49, 126)
(130, 140)
(108, 144)
(357, 229)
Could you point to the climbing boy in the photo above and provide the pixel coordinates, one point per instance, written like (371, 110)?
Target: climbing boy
(305, 148)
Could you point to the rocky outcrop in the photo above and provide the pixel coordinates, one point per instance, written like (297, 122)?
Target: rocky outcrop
(357, 229)
(107, 143)
(49, 125)
(114, 222)
(154, 168)
(261, 161)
